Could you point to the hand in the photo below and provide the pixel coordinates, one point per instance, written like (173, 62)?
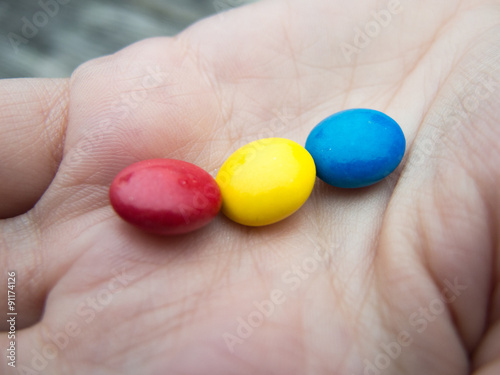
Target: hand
(398, 278)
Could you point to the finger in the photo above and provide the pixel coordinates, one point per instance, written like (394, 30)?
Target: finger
(32, 127)
(123, 109)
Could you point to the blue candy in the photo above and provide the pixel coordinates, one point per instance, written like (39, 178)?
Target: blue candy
(356, 147)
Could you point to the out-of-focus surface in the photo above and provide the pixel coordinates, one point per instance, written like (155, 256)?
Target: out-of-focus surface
(50, 38)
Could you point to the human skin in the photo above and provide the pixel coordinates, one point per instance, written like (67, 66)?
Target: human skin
(384, 257)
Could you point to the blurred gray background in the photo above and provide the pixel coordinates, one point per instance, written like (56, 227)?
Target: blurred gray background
(50, 38)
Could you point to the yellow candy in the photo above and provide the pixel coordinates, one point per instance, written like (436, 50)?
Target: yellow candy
(266, 181)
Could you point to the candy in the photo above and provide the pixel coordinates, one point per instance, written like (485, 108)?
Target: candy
(266, 181)
(356, 147)
(165, 196)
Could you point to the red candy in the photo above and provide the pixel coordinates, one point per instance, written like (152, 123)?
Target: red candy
(165, 196)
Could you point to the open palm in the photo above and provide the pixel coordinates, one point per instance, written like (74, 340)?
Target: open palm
(397, 278)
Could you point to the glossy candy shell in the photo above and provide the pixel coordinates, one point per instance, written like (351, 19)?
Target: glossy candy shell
(266, 181)
(356, 147)
(165, 196)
